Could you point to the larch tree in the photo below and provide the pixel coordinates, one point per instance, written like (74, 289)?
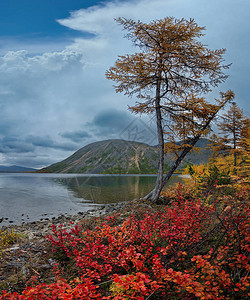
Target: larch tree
(168, 75)
(233, 135)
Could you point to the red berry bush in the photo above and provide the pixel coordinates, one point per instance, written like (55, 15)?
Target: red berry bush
(188, 250)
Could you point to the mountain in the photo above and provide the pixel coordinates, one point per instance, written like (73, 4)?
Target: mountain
(121, 157)
(15, 169)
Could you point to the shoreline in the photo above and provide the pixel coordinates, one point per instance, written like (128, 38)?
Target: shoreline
(30, 254)
(31, 200)
(41, 228)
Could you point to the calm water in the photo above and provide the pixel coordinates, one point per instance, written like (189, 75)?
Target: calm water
(31, 197)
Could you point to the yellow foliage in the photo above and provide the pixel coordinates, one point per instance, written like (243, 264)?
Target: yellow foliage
(7, 237)
(224, 164)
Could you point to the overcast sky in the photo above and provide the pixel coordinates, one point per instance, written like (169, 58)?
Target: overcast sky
(54, 97)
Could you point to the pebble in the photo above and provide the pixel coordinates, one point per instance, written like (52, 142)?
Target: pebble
(43, 227)
(24, 257)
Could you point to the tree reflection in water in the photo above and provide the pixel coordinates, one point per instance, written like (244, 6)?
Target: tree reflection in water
(103, 189)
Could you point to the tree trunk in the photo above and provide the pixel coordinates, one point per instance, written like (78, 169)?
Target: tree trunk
(179, 160)
(185, 151)
(234, 145)
(158, 186)
(172, 170)
(154, 195)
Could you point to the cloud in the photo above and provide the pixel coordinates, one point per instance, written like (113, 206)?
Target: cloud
(117, 124)
(76, 136)
(49, 97)
(34, 95)
(14, 145)
(109, 123)
(33, 159)
(49, 142)
(21, 62)
(28, 144)
(216, 16)
(2, 158)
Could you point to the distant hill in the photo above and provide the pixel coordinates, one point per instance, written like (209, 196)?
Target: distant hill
(15, 169)
(121, 157)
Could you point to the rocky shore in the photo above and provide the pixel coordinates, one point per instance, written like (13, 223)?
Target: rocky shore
(43, 227)
(30, 256)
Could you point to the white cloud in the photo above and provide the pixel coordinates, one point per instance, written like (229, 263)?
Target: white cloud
(226, 22)
(2, 158)
(60, 91)
(55, 61)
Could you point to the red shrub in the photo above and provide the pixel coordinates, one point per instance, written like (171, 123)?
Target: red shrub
(158, 255)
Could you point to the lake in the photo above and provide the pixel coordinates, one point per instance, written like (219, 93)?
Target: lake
(26, 197)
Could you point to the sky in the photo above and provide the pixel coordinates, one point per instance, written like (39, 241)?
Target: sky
(54, 97)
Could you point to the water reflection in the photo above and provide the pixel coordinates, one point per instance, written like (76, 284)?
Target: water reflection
(109, 188)
(30, 197)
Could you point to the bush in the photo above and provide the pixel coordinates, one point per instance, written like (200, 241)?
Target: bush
(185, 251)
(7, 237)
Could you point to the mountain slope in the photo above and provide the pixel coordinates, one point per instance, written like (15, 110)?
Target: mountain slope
(110, 156)
(120, 157)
